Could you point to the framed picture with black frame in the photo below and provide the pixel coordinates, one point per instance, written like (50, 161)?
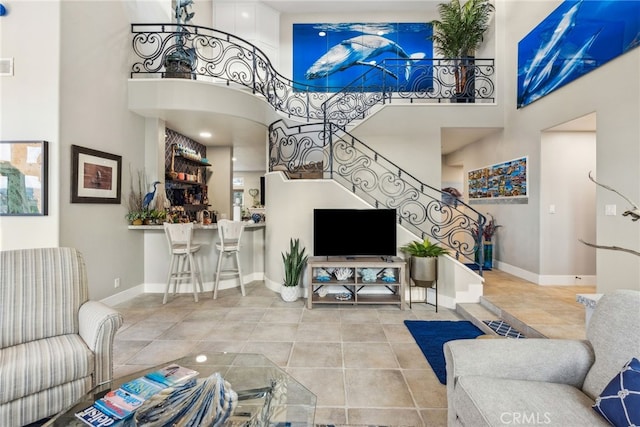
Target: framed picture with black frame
(95, 176)
(24, 171)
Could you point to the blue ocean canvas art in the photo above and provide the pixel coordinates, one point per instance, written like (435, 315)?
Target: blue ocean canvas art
(328, 57)
(576, 38)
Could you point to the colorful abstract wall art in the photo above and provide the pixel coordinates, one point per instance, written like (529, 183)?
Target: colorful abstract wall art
(576, 38)
(499, 181)
(328, 57)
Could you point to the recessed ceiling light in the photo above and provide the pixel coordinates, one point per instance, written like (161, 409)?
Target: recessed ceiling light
(245, 14)
(233, 159)
(205, 134)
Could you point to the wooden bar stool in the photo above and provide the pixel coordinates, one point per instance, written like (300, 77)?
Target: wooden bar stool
(230, 233)
(183, 265)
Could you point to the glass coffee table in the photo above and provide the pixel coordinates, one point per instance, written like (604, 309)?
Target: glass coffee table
(267, 395)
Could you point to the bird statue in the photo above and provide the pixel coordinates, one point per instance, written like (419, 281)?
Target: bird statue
(149, 196)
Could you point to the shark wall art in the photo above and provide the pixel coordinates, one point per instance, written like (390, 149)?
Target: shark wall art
(576, 38)
(331, 56)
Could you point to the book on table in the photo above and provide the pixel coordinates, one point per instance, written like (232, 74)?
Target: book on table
(118, 405)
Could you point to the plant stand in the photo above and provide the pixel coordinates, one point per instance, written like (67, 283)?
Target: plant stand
(432, 285)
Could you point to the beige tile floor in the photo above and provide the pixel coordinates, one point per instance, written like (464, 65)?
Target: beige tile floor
(361, 362)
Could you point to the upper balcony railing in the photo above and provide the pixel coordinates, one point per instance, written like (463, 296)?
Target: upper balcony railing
(219, 56)
(466, 80)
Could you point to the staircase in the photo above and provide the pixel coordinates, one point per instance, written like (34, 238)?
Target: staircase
(319, 119)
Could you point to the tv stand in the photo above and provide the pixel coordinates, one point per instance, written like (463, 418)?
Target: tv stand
(385, 290)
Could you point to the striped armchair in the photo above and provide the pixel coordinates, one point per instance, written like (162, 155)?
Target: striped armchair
(55, 345)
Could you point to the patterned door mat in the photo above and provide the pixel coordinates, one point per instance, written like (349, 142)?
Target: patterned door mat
(504, 329)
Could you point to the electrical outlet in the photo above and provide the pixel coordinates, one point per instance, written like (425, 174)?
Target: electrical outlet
(116, 283)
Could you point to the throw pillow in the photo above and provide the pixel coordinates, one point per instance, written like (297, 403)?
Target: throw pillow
(619, 402)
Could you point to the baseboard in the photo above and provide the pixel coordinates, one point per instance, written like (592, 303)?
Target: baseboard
(186, 288)
(123, 296)
(546, 279)
(568, 280)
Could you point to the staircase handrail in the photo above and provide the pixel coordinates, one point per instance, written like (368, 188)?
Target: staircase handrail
(422, 209)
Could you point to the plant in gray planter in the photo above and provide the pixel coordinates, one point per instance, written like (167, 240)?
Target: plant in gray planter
(424, 259)
(294, 262)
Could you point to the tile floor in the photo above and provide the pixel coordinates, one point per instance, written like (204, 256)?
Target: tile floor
(361, 362)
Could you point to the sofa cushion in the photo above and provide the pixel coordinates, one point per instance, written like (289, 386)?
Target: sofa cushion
(619, 403)
(41, 291)
(39, 365)
(614, 333)
(496, 401)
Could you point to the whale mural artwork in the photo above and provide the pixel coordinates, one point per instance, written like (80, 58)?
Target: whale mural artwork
(576, 38)
(331, 56)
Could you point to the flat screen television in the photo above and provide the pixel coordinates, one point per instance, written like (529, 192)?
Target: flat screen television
(354, 232)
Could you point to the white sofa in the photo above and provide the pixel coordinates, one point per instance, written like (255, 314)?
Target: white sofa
(55, 345)
(549, 382)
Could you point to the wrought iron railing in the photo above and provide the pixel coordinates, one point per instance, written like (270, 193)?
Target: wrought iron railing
(220, 56)
(418, 80)
(422, 209)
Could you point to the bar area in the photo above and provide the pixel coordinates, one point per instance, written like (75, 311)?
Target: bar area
(198, 189)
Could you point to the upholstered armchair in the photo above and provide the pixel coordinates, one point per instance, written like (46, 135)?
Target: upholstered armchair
(55, 344)
(551, 382)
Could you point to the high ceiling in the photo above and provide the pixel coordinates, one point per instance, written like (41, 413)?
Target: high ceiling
(314, 6)
(248, 137)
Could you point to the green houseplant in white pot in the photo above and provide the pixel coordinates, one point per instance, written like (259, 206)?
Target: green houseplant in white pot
(424, 261)
(294, 262)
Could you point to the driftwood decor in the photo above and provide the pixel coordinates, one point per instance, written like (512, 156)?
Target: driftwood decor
(634, 213)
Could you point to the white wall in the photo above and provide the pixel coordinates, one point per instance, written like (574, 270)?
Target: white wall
(617, 152)
(567, 208)
(219, 182)
(29, 100)
(252, 21)
(95, 62)
(289, 212)
(251, 181)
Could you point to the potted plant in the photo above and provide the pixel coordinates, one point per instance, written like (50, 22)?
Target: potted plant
(424, 258)
(486, 243)
(294, 262)
(135, 217)
(457, 35)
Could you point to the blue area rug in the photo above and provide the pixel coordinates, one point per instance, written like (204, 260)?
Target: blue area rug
(430, 335)
(475, 267)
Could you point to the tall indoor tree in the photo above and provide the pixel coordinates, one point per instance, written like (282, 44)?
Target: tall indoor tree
(458, 33)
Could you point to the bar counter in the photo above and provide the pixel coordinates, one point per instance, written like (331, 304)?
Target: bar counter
(157, 257)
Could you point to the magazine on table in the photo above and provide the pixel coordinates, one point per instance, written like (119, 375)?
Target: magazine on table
(117, 406)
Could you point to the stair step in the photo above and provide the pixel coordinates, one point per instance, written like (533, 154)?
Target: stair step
(476, 313)
(512, 320)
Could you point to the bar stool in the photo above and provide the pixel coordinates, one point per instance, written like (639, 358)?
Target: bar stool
(230, 233)
(183, 265)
